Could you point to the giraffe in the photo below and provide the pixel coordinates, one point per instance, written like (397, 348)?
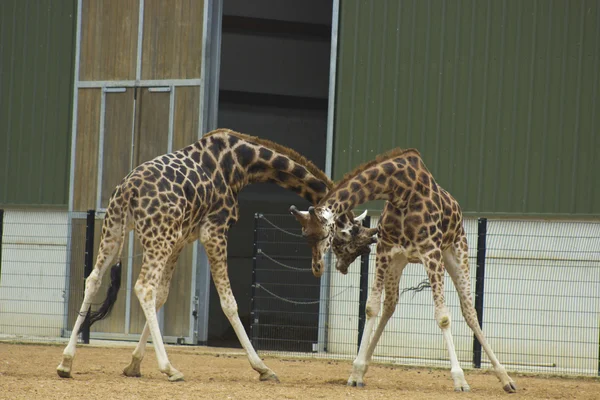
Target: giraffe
(183, 196)
(421, 223)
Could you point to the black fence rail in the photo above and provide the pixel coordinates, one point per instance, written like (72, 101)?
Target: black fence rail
(536, 288)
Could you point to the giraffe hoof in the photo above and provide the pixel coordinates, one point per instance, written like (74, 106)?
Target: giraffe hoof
(131, 373)
(352, 383)
(176, 377)
(510, 387)
(63, 371)
(269, 376)
(464, 388)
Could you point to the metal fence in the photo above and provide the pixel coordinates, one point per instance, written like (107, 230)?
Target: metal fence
(36, 249)
(536, 286)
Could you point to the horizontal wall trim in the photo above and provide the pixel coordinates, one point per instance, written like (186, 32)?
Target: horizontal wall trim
(139, 83)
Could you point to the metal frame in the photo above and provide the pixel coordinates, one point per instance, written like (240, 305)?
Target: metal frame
(139, 83)
(209, 103)
(120, 85)
(100, 151)
(326, 278)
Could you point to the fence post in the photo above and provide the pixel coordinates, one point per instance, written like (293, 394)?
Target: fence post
(1, 235)
(364, 288)
(253, 313)
(88, 265)
(479, 285)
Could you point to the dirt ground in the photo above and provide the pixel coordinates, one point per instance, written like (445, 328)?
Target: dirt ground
(28, 372)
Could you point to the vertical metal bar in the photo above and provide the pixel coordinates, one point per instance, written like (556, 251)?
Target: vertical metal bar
(331, 96)
(75, 103)
(479, 283)
(1, 234)
(209, 102)
(364, 289)
(140, 39)
(209, 90)
(253, 313)
(101, 150)
(171, 119)
(326, 278)
(88, 262)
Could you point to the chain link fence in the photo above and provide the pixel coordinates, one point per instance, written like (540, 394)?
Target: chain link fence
(536, 285)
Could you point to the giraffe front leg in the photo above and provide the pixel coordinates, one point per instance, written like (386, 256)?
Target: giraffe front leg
(134, 367)
(146, 289)
(360, 364)
(435, 271)
(390, 279)
(216, 249)
(457, 264)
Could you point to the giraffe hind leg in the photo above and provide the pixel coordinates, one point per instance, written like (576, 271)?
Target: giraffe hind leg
(108, 250)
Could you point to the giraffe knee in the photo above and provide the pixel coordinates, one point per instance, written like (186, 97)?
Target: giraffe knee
(92, 282)
(444, 322)
(372, 310)
(145, 293)
(443, 319)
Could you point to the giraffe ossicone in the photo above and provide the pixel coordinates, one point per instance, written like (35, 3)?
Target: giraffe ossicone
(183, 196)
(421, 223)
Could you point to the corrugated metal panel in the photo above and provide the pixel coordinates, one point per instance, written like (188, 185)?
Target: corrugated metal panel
(500, 97)
(36, 81)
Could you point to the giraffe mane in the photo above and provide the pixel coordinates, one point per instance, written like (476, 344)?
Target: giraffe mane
(292, 154)
(378, 159)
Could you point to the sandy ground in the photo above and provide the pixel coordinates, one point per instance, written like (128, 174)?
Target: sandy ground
(28, 372)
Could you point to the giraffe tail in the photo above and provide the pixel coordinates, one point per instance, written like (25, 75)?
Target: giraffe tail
(111, 296)
(116, 212)
(424, 284)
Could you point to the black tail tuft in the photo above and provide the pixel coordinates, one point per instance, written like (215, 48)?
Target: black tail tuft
(111, 297)
(424, 284)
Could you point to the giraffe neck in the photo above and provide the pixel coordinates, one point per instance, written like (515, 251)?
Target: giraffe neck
(391, 179)
(242, 160)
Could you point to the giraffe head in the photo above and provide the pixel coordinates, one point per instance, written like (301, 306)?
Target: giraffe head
(346, 235)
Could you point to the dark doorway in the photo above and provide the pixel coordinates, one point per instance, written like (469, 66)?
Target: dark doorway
(274, 83)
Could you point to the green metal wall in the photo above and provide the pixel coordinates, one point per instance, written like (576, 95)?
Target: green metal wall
(36, 87)
(500, 97)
